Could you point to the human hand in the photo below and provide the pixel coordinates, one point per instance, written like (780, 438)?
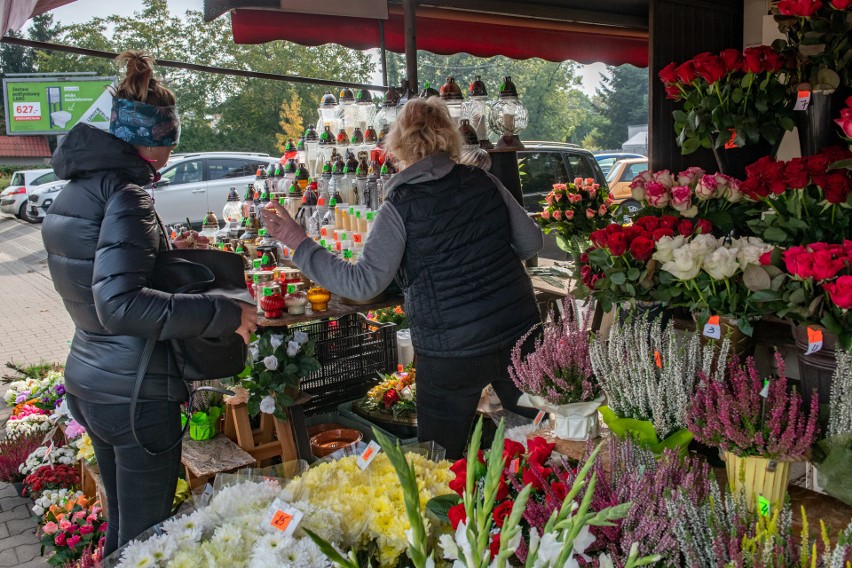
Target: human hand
(281, 226)
(248, 321)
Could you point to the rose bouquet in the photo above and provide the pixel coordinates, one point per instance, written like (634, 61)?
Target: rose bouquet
(14, 451)
(801, 201)
(573, 211)
(716, 276)
(692, 193)
(389, 315)
(51, 477)
(729, 100)
(619, 267)
(277, 363)
(71, 528)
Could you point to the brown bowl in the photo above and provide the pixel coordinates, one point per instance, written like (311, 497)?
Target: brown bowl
(330, 441)
(322, 427)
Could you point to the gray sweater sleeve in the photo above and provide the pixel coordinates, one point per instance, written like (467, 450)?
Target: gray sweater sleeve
(527, 239)
(375, 269)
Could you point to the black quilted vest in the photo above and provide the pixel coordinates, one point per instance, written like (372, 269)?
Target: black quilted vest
(466, 291)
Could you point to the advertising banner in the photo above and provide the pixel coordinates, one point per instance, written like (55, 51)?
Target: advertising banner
(53, 105)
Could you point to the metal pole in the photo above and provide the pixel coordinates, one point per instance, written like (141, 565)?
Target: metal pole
(384, 53)
(409, 13)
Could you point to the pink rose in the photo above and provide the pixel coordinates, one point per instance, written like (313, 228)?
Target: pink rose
(549, 198)
(578, 182)
(558, 196)
(92, 518)
(50, 528)
(59, 539)
(706, 188)
(545, 214)
(602, 210)
(64, 525)
(664, 177)
(689, 176)
(557, 215)
(681, 198)
(569, 214)
(560, 188)
(657, 194)
(87, 529)
(79, 515)
(575, 198)
(845, 122)
(590, 213)
(74, 541)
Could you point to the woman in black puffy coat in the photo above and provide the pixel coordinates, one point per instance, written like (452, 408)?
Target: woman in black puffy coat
(102, 237)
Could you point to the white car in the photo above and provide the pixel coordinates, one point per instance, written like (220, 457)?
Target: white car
(41, 198)
(13, 200)
(190, 185)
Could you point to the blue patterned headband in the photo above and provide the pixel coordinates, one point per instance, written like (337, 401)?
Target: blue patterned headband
(142, 124)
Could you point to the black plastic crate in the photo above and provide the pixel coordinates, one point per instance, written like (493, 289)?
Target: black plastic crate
(351, 350)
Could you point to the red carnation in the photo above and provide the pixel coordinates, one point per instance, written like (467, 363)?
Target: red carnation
(501, 512)
(642, 248)
(457, 514)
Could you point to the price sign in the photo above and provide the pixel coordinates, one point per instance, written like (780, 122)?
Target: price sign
(538, 418)
(26, 111)
(282, 517)
(814, 340)
(515, 466)
(803, 100)
(356, 237)
(763, 506)
(764, 392)
(369, 454)
(712, 328)
(657, 360)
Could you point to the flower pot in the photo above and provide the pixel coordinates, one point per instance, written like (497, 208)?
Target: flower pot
(741, 344)
(643, 433)
(650, 310)
(758, 477)
(816, 369)
(815, 124)
(577, 421)
(733, 161)
(19, 487)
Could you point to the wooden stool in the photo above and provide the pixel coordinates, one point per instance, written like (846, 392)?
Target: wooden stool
(274, 439)
(205, 458)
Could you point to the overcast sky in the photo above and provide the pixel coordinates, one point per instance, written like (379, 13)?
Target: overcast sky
(83, 10)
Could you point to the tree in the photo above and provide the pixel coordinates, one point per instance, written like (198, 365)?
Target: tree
(15, 58)
(622, 100)
(291, 121)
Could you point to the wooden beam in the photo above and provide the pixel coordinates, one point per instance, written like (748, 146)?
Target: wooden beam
(410, 19)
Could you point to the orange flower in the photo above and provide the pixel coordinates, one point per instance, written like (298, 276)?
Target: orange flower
(18, 407)
(398, 310)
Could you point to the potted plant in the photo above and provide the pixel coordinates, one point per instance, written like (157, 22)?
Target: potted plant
(574, 210)
(732, 100)
(835, 449)
(759, 426)
(14, 451)
(648, 373)
(206, 410)
(817, 38)
(557, 375)
(59, 476)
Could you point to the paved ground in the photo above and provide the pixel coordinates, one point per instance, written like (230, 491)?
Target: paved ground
(35, 328)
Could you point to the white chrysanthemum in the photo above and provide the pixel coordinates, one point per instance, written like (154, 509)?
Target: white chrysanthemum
(137, 555)
(227, 535)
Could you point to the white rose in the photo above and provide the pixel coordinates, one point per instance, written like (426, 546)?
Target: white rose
(253, 354)
(664, 177)
(276, 341)
(702, 245)
(685, 264)
(722, 263)
(300, 337)
(666, 245)
(293, 348)
(270, 362)
(267, 405)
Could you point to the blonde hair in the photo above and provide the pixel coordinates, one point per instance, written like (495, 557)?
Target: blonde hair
(424, 127)
(139, 83)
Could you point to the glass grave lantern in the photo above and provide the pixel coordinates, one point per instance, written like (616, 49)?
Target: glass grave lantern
(328, 114)
(508, 116)
(347, 111)
(311, 154)
(387, 114)
(366, 109)
(476, 109)
(428, 91)
(452, 95)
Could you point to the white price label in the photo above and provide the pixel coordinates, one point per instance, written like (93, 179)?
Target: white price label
(712, 328)
(814, 340)
(538, 418)
(26, 111)
(281, 517)
(803, 100)
(369, 454)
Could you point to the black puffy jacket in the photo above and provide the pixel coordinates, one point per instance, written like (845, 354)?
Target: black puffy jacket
(102, 238)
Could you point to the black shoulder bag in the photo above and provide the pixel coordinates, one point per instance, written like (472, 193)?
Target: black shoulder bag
(191, 271)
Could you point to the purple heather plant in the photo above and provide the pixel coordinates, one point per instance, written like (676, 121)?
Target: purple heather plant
(731, 413)
(559, 369)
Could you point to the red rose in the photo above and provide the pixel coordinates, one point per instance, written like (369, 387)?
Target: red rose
(668, 222)
(840, 292)
(599, 238)
(667, 74)
(766, 258)
(842, 5)
(672, 92)
(560, 490)
(817, 165)
(457, 514)
(709, 67)
(458, 484)
(798, 262)
(617, 244)
(772, 61)
(804, 8)
(649, 223)
(584, 258)
(686, 72)
(540, 450)
(459, 467)
(662, 232)
(494, 546)
(703, 227)
(391, 397)
(642, 248)
(836, 187)
(501, 512)
(536, 475)
(825, 266)
(752, 60)
(732, 59)
(511, 448)
(59, 540)
(796, 173)
(684, 227)
(502, 490)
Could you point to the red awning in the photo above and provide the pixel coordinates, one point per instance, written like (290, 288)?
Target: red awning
(446, 32)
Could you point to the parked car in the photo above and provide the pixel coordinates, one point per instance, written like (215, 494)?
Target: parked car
(618, 179)
(607, 159)
(192, 184)
(41, 198)
(13, 199)
(543, 164)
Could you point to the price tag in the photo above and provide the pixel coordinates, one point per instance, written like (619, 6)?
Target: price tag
(48, 450)
(515, 466)
(204, 500)
(324, 231)
(373, 448)
(712, 329)
(357, 237)
(763, 506)
(282, 517)
(26, 111)
(803, 100)
(657, 360)
(538, 418)
(764, 392)
(814, 340)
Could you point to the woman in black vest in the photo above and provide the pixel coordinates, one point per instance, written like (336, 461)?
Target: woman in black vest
(454, 238)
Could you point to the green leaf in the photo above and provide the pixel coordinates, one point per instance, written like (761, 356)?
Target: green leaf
(756, 278)
(765, 296)
(633, 274)
(440, 505)
(618, 278)
(775, 234)
(690, 145)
